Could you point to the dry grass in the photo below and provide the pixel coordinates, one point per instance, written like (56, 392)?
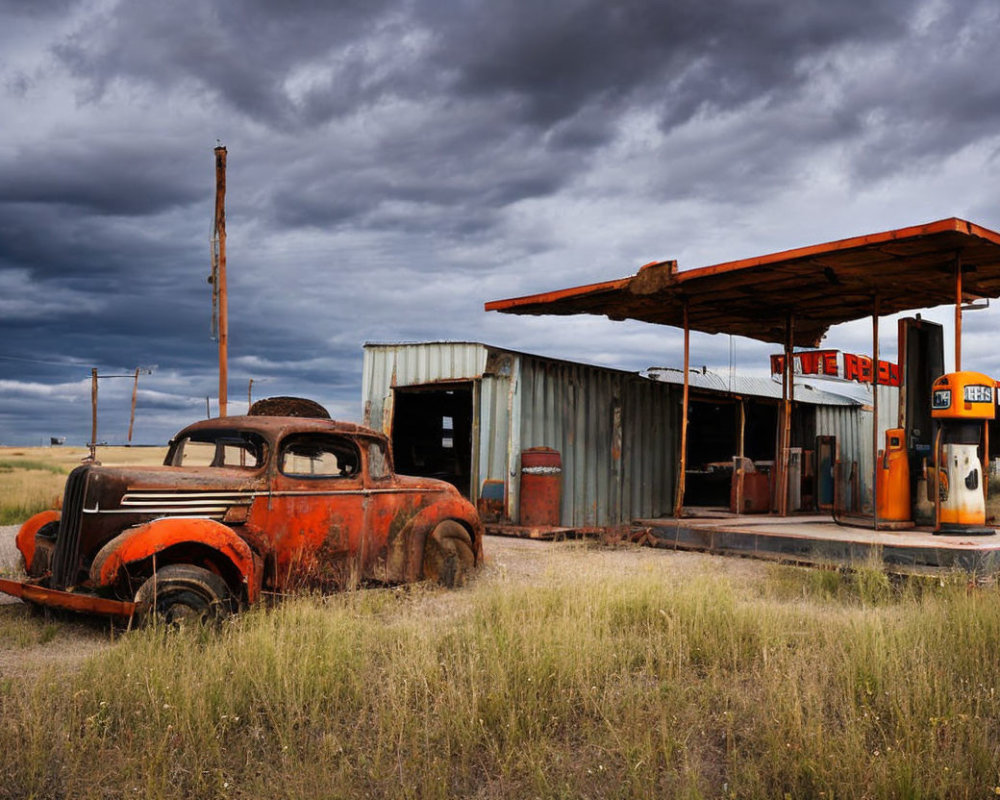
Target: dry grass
(669, 682)
(32, 478)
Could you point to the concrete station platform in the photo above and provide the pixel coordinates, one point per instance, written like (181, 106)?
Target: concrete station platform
(820, 540)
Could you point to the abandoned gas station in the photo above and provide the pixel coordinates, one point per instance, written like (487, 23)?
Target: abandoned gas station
(936, 454)
(795, 469)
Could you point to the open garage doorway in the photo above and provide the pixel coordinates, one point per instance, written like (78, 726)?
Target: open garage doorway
(432, 432)
(713, 442)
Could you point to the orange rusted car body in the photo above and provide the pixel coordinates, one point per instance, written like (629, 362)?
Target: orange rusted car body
(269, 504)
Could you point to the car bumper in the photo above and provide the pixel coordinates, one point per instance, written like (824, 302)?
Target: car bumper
(69, 601)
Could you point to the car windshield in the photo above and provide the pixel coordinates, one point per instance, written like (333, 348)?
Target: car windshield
(218, 448)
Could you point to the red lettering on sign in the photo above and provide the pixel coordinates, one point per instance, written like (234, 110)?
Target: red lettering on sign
(830, 362)
(824, 362)
(809, 362)
(852, 367)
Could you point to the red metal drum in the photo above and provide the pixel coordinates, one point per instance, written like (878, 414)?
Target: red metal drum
(541, 486)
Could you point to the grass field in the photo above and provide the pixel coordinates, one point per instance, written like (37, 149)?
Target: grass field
(32, 478)
(579, 671)
(802, 684)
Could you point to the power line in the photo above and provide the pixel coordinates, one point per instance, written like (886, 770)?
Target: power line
(40, 361)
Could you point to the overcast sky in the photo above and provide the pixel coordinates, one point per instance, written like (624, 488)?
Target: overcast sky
(393, 164)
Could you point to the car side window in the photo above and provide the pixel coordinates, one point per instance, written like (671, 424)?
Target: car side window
(311, 456)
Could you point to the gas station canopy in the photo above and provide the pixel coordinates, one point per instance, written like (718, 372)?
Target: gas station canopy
(817, 286)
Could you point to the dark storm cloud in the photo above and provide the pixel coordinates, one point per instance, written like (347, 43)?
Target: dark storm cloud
(240, 51)
(559, 57)
(393, 163)
(115, 177)
(34, 8)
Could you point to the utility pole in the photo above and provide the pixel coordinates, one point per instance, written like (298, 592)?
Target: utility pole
(220, 316)
(93, 404)
(131, 416)
(93, 414)
(135, 393)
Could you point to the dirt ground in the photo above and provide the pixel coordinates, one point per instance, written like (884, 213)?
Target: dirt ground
(65, 641)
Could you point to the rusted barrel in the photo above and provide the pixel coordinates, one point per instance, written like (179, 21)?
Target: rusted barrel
(541, 486)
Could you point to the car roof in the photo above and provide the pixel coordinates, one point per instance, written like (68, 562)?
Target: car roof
(276, 427)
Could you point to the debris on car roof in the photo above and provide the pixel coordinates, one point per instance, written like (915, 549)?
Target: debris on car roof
(288, 407)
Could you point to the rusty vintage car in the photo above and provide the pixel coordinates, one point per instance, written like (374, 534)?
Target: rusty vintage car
(244, 507)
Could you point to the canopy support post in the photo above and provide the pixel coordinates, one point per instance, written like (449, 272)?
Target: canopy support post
(958, 313)
(875, 465)
(679, 500)
(738, 470)
(785, 431)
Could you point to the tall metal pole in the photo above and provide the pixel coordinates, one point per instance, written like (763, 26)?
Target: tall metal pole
(220, 277)
(958, 313)
(786, 423)
(679, 500)
(135, 392)
(875, 464)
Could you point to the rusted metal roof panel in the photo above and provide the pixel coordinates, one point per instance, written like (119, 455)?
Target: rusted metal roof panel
(818, 286)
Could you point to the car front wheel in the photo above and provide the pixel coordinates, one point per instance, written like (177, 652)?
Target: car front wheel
(181, 594)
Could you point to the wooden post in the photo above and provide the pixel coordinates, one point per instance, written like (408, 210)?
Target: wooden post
(679, 500)
(220, 277)
(135, 392)
(875, 464)
(93, 413)
(249, 394)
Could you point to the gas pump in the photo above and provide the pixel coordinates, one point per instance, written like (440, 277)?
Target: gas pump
(961, 405)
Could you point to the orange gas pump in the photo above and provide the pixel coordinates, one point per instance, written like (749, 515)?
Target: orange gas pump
(961, 404)
(892, 481)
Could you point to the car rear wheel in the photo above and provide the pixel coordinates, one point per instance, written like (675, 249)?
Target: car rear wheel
(182, 594)
(448, 555)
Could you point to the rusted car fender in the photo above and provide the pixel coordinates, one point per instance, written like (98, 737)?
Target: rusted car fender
(405, 550)
(26, 535)
(144, 541)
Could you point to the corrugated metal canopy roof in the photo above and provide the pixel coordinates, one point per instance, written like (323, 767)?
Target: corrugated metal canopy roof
(818, 286)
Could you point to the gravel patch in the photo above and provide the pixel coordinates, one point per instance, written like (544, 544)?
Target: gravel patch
(10, 559)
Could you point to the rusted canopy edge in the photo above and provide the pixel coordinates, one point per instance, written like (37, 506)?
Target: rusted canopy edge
(821, 285)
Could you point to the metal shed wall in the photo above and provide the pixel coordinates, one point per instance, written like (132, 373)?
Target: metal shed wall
(618, 435)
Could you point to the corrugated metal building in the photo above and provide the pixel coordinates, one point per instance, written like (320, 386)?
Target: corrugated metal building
(465, 411)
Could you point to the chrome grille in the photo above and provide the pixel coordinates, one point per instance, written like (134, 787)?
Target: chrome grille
(66, 557)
